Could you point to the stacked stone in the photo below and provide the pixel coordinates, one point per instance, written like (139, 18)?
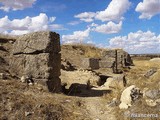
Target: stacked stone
(90, 63)
(118, 56)
(38, 55)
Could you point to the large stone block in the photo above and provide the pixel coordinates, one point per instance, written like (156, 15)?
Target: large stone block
(90, 63)
(36, 65)
(106, 64)
(121, 58)
(37, 42)
(38, 55)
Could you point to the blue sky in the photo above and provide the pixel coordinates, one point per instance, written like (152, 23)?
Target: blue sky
(133, 25)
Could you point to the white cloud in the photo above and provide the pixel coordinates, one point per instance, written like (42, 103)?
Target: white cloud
(74, 23)
(108, 28)
(16, 4)
(26, 25)
(86, 16)
(38, 23)
(76, 37)
(114, 12)
(93, 25)
(56, 27)
(138, 42)
(52, 19)
(148, 8)
(18, 32)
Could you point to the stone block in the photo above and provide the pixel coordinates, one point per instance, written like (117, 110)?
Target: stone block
(38, 55)
(90, 63)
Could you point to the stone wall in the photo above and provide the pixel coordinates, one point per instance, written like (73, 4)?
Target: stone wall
(6, 43)
(120, 57)
(115, 59)
(90, 63)
(38, 55)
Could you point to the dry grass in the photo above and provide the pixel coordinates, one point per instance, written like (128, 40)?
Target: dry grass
(16, 99)
(88, 50)
(136, 74)
(136, 77)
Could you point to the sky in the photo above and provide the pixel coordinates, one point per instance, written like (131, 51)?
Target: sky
(133, 25)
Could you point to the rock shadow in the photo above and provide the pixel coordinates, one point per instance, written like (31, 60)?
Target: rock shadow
(103, 79)
(83, 90)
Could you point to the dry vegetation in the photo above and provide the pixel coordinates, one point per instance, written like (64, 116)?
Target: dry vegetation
(19, 101)
(87, 50)
(135, 76)
(16, 99)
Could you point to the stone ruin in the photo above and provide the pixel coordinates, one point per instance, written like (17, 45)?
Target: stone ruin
(38, 55)
(90, 63)
(115, 59)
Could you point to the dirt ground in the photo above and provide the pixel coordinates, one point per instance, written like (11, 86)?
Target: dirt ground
(19, 101)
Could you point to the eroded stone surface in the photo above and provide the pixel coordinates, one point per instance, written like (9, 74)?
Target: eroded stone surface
(38, 55)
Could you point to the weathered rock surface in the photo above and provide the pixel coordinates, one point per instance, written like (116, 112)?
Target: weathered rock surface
(153, 94)
(6, 43)
(118, 81)
(121, 57)
(66, 65)
(80, 77)
(38, 42)
(37, 55)
(93, 58)
(90, 63)
(130, 94)
(151, 102)
(150, 72)
(106, 63)
(2, 76)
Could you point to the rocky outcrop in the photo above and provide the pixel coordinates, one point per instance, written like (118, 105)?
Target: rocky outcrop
(38, 55)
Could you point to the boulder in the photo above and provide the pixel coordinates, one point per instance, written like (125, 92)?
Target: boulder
(2, 76)
(150, 72)
(153, 94)
(118, 81)
(151, 102)
(130, 94)
(108, 83)
(38, 55)
(80, 77)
